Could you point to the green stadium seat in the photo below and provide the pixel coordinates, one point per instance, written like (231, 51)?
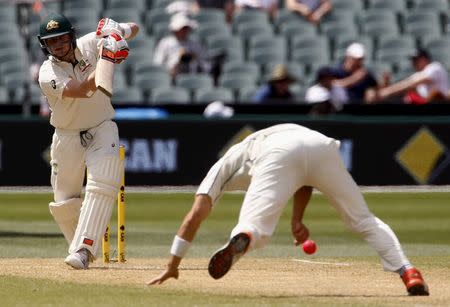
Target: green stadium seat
(264, 56)
(246, 94)
(437, 43)
(236, 82)
(128, 95)
(123, 15)
(395, 6)
(172, 95)
(193, 82)
(204, 96)
(206, 31)
(4, 97)
(93, 5)
(264, 41)
(348, 5)
(249, 68)
(249, 17)
(154, 16)
(391, 48)
(441, 6)
(320, 43)
(148, 82)
(210, 15)
(140, 5)
(421, 24)
(160, 3)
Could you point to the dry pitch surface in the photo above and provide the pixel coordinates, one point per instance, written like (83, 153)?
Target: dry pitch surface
(323, 280)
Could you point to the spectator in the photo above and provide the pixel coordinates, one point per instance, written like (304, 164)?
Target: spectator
(277, 87)
(178, 52)
(428, 83)
(270, 6)
(311, 10)
(226, 5)
(326, 96)
(181, 6)
(353, 76)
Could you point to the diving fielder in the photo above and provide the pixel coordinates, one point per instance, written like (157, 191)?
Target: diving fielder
(85, 135)
(273, 165)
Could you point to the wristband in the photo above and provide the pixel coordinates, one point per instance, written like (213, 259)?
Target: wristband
(126, 29)
(179, 246)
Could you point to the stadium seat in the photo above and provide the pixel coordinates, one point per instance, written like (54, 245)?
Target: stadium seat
(151, 81)
(292, 28)
(438, 44)
(204, 96)
(35, 94)
(172, 95)
(249, 17)
(160, 3)
(336, 17)
(122, 15)
(284, 16)
(120, 81)
(155, 16)
(395, 6)
(128, 95)
(140, 5)
(264, 56)
(207, 30)
(320, 43)
(249, 68)
(378, 22)
(93, 5)
(264, 41)
(210, 15)
(421, 24)
(4, 97)
(348, 5)
(393, 48)
(16, 84)
(246, 94)
(248, 30)
(312, 56)
(333, 32)
(193, 82)
(440, 6)
(236, 82)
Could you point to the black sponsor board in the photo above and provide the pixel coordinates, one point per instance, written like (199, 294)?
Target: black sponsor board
(377, 150)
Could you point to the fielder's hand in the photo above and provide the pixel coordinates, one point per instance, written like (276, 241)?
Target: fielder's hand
(107, 26)
(114, 48)
(168, 273)
(300, 232)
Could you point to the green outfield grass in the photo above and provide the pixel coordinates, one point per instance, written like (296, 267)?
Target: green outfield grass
(27, 230)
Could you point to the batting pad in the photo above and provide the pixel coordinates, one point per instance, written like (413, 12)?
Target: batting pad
(101, 193)
(66, 214)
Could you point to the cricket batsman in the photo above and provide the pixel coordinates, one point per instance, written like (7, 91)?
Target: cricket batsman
(85, 135)
(273, 165)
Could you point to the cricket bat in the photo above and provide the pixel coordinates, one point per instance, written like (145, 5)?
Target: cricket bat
(104, 76)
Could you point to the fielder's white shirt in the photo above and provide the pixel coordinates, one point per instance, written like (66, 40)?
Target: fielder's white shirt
(439, 79)
(74, 113)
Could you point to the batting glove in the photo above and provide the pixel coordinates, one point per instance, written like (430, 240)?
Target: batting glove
(114, 48)
(107, 26)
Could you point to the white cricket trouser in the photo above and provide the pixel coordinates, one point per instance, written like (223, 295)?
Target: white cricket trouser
(277, 165)
(69, 159)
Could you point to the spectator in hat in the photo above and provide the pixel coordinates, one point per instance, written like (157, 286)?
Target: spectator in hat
(277, 87)
(178, 52)
(311, 10)
(429, 83)
(326, 96)
(352, 75)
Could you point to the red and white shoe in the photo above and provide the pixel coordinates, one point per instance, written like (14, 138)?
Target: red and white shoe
(415, 285)
(224, 258)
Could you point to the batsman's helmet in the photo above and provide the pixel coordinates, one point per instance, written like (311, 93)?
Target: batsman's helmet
(54, 25)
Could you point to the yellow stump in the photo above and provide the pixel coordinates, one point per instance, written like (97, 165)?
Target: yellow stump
(105, 245)
(120, 219)
(121, 212)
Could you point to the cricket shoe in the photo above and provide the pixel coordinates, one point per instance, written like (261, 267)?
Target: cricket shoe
(79, 260)
(224, 258)
(414, 283)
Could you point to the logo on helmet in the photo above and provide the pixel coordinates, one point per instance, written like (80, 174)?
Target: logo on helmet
(52, 25)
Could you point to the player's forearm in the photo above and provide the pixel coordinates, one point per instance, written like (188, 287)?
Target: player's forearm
(301, 200)
(324, 8)
(84, 89)
(298, 7)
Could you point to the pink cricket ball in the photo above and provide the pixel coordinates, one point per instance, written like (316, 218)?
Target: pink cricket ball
(309, 247)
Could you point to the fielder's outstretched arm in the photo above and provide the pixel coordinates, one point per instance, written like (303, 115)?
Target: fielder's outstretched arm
(301, 200)
(185, 235)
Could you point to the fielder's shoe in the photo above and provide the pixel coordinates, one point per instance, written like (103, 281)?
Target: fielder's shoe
(224, 258)
(414, 282)
(79, 260)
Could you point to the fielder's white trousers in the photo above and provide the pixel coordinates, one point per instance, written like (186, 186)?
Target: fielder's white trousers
(274, 167)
